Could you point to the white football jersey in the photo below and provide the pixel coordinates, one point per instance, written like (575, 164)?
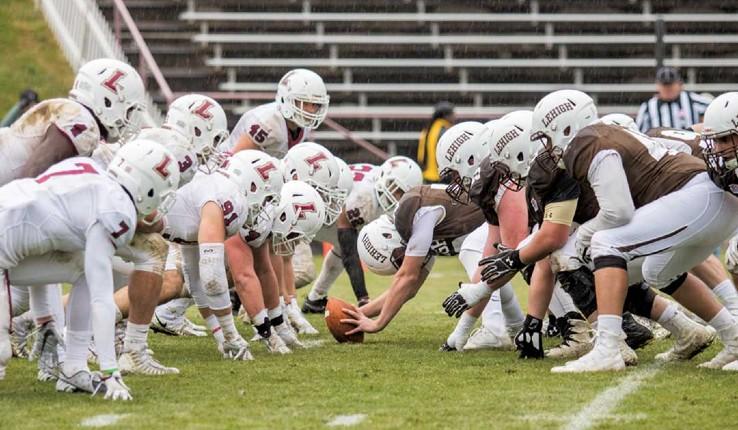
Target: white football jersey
(19, 141)
(183, 219)
(54, 211)
(266, 126)
(257, 234)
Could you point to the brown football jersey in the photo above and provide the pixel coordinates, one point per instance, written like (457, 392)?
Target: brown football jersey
(651, 170)
(686, 137)
(458, 221)
(484, 190)
(554, 185)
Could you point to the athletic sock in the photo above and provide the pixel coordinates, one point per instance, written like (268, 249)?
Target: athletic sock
(136, 335)
(214, 326)
(727, 293)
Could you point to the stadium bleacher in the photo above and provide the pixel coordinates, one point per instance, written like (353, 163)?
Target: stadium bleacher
(385, 67)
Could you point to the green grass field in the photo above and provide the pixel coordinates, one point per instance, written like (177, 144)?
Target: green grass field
(396, 378)
(29, 55)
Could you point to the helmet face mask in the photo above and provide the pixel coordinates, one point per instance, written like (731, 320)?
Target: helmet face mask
(298, 217)
(459, 153)
(721, 156)
(513, 181)
(458, 188)
(315, 165)
(396, 176)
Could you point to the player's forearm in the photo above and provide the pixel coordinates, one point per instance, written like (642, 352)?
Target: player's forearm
(403, 289)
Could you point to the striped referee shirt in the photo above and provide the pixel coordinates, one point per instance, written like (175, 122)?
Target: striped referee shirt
(681, 113)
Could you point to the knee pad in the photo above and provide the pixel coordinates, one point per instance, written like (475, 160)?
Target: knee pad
(674, 285)
(639, 300)
(149, 252)
(579, 284)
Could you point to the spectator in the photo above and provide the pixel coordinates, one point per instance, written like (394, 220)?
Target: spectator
(672, 106)
(443, 118)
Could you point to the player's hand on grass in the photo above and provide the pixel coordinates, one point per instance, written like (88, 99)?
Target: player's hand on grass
(115, 389)
(465, 297)
(361, 321)
(504, 263)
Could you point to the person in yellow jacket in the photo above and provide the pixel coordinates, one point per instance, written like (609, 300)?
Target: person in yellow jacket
(443, 119)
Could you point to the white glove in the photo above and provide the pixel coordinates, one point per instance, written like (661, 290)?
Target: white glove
(581, 247)
(731, 256)
(115, 389)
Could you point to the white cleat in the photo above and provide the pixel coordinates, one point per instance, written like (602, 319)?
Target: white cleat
(288, 335)
(732, 366)
(45, 348)
(594, 361)
(80, 380)
(237, 350)
(728, 355)
(140, 362)
(44, 375)
(628, 354)
(578, 340)
(658, 331)
(276, 345)
(298, 320)
(485, 338)
(180, 326)
(686, 347)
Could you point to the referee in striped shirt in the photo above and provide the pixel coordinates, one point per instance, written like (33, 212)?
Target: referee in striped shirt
(672, 107)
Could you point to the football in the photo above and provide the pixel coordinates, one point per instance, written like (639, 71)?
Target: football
(333, 315)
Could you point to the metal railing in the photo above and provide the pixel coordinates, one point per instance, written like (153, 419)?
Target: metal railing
(84, 35)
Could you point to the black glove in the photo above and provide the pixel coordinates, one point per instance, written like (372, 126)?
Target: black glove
(552, 330)
(529, 341)
(506, 262)
(466, 296)
(455, 305)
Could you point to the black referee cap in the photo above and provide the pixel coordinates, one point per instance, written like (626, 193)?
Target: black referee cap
(668, 75)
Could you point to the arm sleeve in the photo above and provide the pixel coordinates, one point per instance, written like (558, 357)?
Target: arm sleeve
(421, 238)
(610, 185)
(99, 252)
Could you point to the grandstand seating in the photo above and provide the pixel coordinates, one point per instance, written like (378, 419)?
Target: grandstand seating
(385, 66)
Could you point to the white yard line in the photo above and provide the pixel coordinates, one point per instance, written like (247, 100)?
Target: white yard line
(346, 420)
(102, 420)
(603, 404)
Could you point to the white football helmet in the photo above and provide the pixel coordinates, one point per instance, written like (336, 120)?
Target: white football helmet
(396, 174)
(297, 87)
(258, 173)
(459, 152)
(148, 171)
(315, 165)
(179, 146)
(380, 246)
(512, 148)
(201, 119)
(298, 217)
(115, 94)
(720, 141)
(345, 181)
(620, 119)
(558, 117)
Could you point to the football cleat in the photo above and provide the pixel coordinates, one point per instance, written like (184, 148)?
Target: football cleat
(81, 380)
(637, 335)
(288, 335)
(596, 360)
(486, 338)
(20, 332)
(629, 356)
(657, 330)
(237, 350)
(577, 337)
(314, 306)
(694, 341)
(44, 375)
(728, 355)
(276, 345)
(140, 362)
(179, 326)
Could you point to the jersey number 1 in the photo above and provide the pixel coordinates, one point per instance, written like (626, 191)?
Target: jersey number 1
(83, 168)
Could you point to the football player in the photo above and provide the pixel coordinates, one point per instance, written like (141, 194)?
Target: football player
(370, 185)
(636, 180)
(74, 217)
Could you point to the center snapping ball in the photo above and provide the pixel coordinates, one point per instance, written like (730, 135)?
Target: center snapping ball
(333, 315)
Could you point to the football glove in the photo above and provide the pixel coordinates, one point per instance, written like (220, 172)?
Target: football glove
(506, 262)
(115, 389)
(529, 340)
(466, 296)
